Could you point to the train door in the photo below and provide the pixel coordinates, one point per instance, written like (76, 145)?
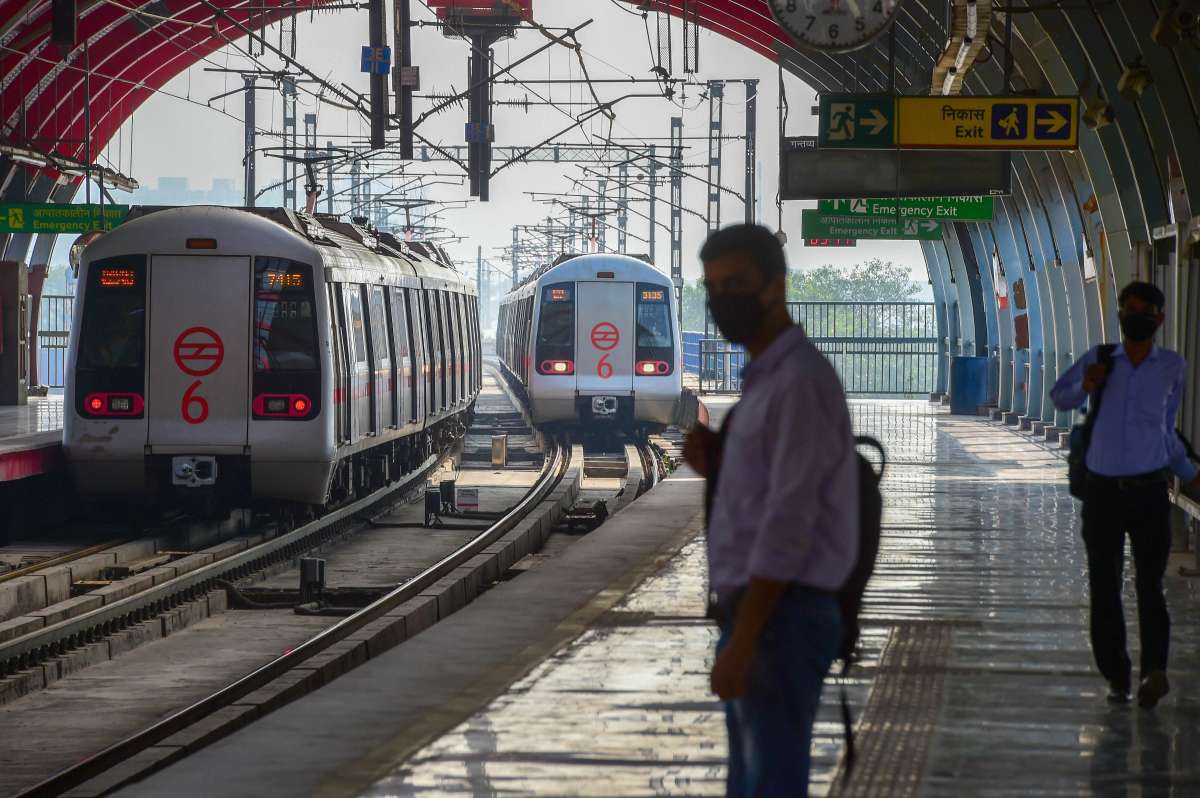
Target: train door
(416, 335)
(604, 336)
(360, 369)
(406, 377)
(433, 352)
(199, 388)
(454, 319)
(383, 375)
(342, 390)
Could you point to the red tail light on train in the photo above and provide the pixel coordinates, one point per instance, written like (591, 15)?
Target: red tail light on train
(113, 405)
(282, 406)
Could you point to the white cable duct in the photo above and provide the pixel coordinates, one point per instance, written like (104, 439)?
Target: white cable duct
(969, 25)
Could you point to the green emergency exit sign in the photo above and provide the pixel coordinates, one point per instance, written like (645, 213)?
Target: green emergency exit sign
(53, 217)
(940, 209)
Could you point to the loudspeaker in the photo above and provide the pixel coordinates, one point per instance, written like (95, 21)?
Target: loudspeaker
(64, 20)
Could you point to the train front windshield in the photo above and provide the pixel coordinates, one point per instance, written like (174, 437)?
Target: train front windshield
(655, 335)
(556, 330)
(285, 330)
(114, 317)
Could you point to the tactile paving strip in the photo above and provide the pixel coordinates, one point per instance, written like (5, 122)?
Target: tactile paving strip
(893, 735)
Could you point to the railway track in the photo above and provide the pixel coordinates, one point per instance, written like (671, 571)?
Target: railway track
(614, 476)
(180, 723)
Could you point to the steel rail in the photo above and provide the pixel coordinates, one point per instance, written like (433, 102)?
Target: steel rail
(30, 649)
(555, 468)
(61, 559)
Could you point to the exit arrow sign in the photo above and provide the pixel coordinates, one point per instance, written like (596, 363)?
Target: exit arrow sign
(816, 224)
(856, 121)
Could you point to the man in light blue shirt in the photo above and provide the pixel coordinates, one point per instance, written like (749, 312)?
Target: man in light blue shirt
(1134, 447)
(783, 531)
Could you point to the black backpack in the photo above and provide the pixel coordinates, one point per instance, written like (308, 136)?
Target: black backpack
(1081, 434)
(870, 526)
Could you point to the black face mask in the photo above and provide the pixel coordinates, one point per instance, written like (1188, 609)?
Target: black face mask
(1139, 326)
(739, 317)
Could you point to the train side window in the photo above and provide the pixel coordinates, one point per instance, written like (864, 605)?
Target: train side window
(357, 330)
(341, 362)
(444, 346)
(436, 358)
(381, 347)
(447, 326)
(418, 327)
(460, 342)
(378, 320)
(472, 341)
(405, 371)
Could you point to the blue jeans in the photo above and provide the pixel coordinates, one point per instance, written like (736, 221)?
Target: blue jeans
(770, 727)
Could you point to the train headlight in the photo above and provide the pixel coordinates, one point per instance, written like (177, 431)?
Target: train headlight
(557, 368)
(652, 368)
(96, 404)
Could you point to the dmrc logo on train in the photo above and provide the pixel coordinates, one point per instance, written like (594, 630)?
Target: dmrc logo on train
(605, 336)
(199, 351)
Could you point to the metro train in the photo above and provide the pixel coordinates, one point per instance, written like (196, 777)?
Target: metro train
(249, 357)
(593, 342)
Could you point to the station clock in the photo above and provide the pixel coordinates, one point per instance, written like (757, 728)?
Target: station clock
(834, 26)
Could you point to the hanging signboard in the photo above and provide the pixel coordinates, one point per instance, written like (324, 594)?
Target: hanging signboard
(826, 225)
(806, 172)
(56, 217)
(942, 209)
(881, 121)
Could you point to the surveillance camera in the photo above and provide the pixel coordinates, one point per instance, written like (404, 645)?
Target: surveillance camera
(1134, 80)
(1098, 113)
(1176, 22)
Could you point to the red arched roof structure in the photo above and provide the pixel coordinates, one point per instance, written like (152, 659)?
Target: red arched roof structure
(134, 47)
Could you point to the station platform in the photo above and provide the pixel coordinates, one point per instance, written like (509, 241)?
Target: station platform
(588, 675)
(31, 438)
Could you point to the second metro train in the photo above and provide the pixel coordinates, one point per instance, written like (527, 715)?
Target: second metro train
(231, 357)
(593, 340)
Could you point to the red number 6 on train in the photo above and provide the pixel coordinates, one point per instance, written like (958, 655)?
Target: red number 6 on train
(605, 337)
(199, 351)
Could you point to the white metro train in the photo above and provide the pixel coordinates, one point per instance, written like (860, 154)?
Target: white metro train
(250, 357)
(594, 340)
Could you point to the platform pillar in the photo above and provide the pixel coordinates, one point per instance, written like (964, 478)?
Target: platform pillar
(14, 333)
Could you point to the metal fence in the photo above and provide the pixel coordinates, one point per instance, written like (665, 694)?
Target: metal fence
(877, 348)
(54, 330)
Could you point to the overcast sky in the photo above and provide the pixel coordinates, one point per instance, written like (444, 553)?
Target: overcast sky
(175, 133)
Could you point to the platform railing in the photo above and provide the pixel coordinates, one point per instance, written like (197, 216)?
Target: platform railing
(54, 331)
(877, 348)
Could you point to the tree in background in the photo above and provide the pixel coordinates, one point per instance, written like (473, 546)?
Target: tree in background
(873, 280)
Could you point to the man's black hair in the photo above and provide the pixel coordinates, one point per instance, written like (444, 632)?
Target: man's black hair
(1149, 293)
(754, 240)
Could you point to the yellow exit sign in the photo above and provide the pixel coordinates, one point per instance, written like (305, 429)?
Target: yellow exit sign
(987, 123)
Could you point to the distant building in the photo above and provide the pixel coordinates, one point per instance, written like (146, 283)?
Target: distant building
(179, 191)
